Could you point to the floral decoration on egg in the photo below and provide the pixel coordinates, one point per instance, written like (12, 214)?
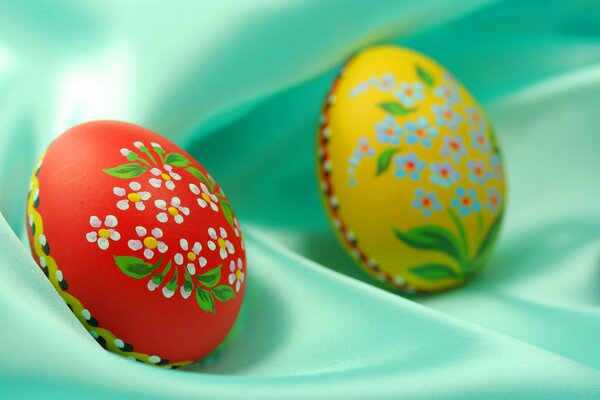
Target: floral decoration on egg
(410, 169)
(155, 217)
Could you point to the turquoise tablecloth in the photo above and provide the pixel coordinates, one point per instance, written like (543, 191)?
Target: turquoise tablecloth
(239, 84)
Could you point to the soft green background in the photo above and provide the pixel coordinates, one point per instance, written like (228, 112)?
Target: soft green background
(240, 84)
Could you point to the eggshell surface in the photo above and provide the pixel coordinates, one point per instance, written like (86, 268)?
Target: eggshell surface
(139, 240)
(410, 170)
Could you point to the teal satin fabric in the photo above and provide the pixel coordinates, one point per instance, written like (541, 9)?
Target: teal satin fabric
(239, 84)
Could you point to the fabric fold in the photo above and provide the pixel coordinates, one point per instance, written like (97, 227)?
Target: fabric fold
(240, 85)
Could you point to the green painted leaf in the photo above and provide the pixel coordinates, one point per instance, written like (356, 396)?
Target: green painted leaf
(226, 207)
(434, 272)
(384, 159)
(223, 293)
(176, 160)
(432, 237)
(490, 237)
(479, 225)
(135, 267)
(205, 299)
(126, 171)
(210, 278)
(494, 140)
(396, 108)
(200, 175)
(425, 77)
(464, 244)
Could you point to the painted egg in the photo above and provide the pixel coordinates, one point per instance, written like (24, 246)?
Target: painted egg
(410, 170)
(139, 240)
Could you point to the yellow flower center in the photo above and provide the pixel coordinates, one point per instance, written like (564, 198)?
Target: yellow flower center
(150, 242)
(205, 197)
(221, 243)
(173, 211)
(238, 274)
(191, 256)
(165, 176)
(134, 197)
(104, 233)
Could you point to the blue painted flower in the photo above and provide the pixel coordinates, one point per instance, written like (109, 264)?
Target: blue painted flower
(479, 141)
(443, 174)
(388, 131)
(466, 201)
(475, 118)
(358, 89)
(364, 149)
(494, 199)
(386, 83)
(421, 131)
(454, 147)
(408, 165)
(449, 92)
(496, 170)
(445, 115)
(476, 171)
(426, 202)
(410, 93)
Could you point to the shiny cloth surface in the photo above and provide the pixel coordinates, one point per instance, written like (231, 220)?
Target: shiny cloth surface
(240, 84)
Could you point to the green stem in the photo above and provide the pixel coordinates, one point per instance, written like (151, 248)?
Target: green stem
(188, 280)
(175, 276)
(173, 284)
(147, 152)
(166, 269)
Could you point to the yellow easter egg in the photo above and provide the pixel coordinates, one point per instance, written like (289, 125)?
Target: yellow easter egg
(411, 173)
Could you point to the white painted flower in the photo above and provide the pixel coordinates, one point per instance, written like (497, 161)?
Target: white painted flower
(167, 176)
(138, 144)
(168, 293)
(152, 285)
(125, 152)
(190, 256)
(237, 230)
(237, 275)
(220, 241)
(175, 209)
(206, 197)
(148, 242)
(135, 196)
(103, 233)
(184, 293)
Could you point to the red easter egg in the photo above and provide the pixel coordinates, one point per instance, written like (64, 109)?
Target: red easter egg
(139, 240)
